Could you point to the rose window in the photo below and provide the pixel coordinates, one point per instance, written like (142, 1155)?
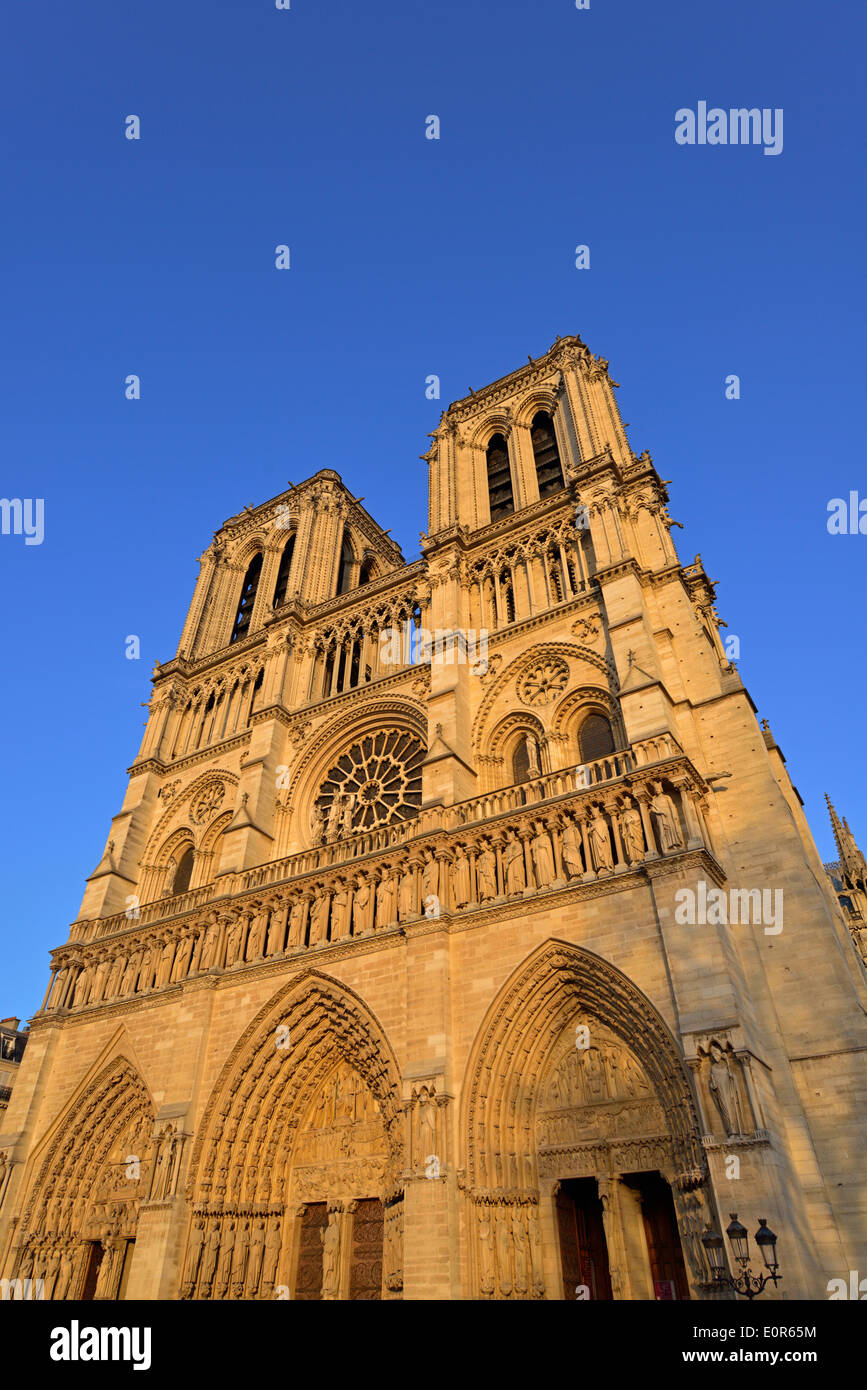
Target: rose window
(376, 782)
(543, 684)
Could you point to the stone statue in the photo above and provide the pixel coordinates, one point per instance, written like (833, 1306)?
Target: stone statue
(227, 1248)
(513, 864)
(503, 1236)
(632, 833)
(195, 1247)
(64, 1278)
(167, 956)
(317, 825)
(600, 842)
(181, 967)
(461, 888)
(386, 899)
(241, 1260)
(360, 904)
(257, 1255)
(666, 820)
(273, 1243)
(330, 1238)
(572, 859)
(426, 1128)
(519, 1242)
(543, 856)
(256, 939)
(332, 824)
(347, 813)
(130, 974)
(319, 918)
(406, 893)
(486, 868)
(486, 1250)
(532, 750)
(297, 923)
(340, 911)
(430, 878)
(276, 928)
(724, 1090)
(209, 1256)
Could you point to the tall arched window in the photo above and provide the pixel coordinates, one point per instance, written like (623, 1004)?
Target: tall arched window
(344, 574)
(595, 738)
(549, 471)
(184, 871)
(499, 478)
(283, 572)
(366, 572)
(256, 692)
(248, 598)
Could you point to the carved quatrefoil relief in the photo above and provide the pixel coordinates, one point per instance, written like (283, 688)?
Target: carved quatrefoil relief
(207, 802)
(544, 683)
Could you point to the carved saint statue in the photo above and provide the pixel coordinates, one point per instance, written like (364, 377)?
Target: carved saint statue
(209, 1256)
(330, 1238)
(194, 1256)
(543, 856)
(347, 813)
(513, 865)
(405, 897)
(273, 1243)
(632, 834)
(572, 860)
(486, 867)
(297, 923)
(360, 905)
(332, 824)
(724, 1090)
(257, 1255)
(600, 842)
(665, 819)
(319, 918)
(340, 911)
(430, 876)
(486, 1250)
(317, 825)
(532, 750)
(386, 899)
(461, 878)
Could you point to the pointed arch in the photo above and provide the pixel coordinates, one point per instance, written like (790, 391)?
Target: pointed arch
(269, 1081)
(115, 1105)
(542, 998)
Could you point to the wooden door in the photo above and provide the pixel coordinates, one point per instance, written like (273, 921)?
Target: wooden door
(365, 1270)
(663, 1238)
(583, 1249)
(308, 1277)
(91, 1272)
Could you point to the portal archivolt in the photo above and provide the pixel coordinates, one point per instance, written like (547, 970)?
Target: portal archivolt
(300, 1156)
(574, 1077)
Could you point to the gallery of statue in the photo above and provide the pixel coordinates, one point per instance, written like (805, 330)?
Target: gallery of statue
(383, 986)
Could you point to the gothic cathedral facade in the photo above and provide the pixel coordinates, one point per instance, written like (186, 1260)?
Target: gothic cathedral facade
(461, 934)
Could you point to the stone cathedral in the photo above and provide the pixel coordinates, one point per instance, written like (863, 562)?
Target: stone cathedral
(461, 934)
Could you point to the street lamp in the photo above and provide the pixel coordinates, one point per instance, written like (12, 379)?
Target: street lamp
(747, 1284)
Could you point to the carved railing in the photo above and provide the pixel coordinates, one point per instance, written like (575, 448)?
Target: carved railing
(449, 860)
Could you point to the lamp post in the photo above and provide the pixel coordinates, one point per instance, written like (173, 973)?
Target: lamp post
(747, 1284)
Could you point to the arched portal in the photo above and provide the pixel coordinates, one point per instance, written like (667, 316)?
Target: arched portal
(83, 1208)
(585, 1171)
(296, 1184)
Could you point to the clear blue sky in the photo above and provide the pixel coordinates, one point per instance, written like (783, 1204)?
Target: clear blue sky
(409, 257)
